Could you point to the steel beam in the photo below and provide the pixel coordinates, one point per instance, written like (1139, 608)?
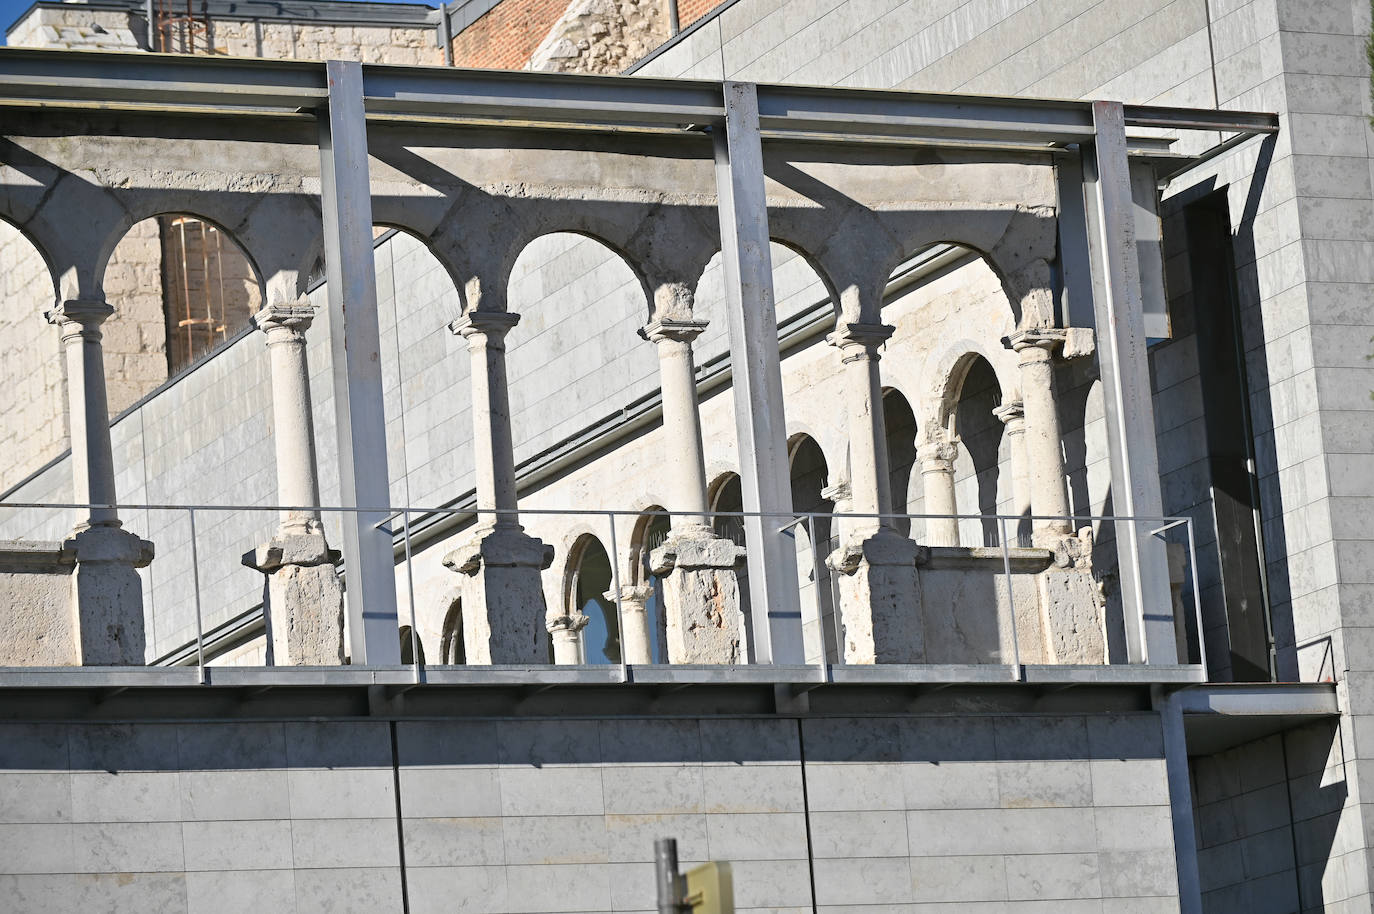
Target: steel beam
(355, 345)
(765, 476)
(1125, 372)
(1180, 803)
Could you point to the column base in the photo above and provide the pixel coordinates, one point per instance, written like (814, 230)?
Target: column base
(703, 612)
(107, 595)
(1072, 605)
(503, 565)
(880, 602)
(303, 599)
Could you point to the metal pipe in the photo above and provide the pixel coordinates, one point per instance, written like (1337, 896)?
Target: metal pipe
(446, 34)
(666, 876)
(195, 583)
(674, 21)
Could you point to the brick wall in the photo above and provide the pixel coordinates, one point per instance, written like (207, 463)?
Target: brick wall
(689, 11)
(505, 38)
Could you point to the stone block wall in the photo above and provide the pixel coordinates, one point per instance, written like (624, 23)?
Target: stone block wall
(1061, 812)
(602, 36)
(291, 41)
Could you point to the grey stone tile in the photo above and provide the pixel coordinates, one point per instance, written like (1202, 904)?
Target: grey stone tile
(128, 796)
(1023, 785)
(650, 742)
(1137, 873)
(241, 845)
(348, 891)
(757, 836)
(753, 788)
(450, 841)
(456, 889)
(554, 889)
(548, 743)
(859, 834)
(1041, 737)
(34, 747)
(555, 839)
(862, 880)
(231, 745)
(241, 890)
(771, 884)
(1125, 736)
(853, 786)
(128, 847)
(745, 741)
(123, 747)
(973, 832)
(122, 893)
(36, 849)
(630, 838)
(338, 744)
(947, 739)
(852, 740)
(565, 791)
(35, 796)
(446, 743)
(958, 879)
(950, 785)
(344, 843)
(1129, 782)
(450, 792)
(1133, 828)
(242, 794)
(361, 793)
(1052, 876)
(659, 788)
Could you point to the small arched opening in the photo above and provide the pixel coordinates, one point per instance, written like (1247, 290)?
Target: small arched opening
(452, 649)
(650, 532)
(412, 648)
(977, 468)
(589, 578)
(900, 422)
(809, 474)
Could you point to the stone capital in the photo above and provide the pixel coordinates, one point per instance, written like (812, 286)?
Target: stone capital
(494, 325)
(884, 546)
(675, 331)
(500, 547)
(632, 595)
(860, 341)
(937, 456)
(568, 623)
(838, 494)
(295, 317)
(80, 316)
(1012, 414)
(1072, 342)
(302, 549)
(104, 544)
(697, 550)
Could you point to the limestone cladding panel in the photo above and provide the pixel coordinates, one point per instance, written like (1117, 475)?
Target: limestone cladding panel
(536, 815)
(78, 28)
(32, 372)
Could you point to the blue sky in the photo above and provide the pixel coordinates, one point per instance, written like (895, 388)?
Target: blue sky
(11, 10)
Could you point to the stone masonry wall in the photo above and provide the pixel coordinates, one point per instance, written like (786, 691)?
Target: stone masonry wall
(1056, 812)
(602, 36)
(288, 41)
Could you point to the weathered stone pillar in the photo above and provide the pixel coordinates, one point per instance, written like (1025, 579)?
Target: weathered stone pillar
(1049, 494)
(636, 632)
(703, 614)
(936, 457)
(1013, 417)
(107, 593)
(303, 598)
(566, 632)
(502, 561)
(879, 603)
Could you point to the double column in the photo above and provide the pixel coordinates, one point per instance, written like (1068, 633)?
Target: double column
(1049, 496)
(107, 593)
(501, 562)
(303, 596)
(704, 617)
(879, 599)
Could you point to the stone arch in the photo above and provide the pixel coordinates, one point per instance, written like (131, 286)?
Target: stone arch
(899, 420)
(587, 578)
(452, 643)
(809, 476)
(978, 476)
(650, 531)
(945, 379)
(412, 646)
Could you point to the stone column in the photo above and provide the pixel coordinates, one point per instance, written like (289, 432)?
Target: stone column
(1049, 494)
(501, 559)
(566, 632)
(879, 600)
(107, 593)
(303, 596)
(936, 457)
(1013, 417)
(636, 631)
(703, 614)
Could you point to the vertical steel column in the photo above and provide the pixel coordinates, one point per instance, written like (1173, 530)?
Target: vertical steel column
(765, 476)
(1119, 309)
(354, 340)
(1180, 801)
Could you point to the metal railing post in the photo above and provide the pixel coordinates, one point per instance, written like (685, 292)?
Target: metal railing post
(1011, 599)
(195, 582)
(415, 654)
(619, 600)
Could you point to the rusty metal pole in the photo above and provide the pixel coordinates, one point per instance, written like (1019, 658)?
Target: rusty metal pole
(667, 877)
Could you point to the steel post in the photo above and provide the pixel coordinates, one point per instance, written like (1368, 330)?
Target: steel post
(354, 339)
(776, 635)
